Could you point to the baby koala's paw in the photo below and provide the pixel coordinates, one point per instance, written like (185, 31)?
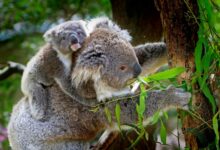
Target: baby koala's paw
(38, 114)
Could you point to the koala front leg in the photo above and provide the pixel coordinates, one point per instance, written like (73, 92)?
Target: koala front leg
(33, 85)
(151, 56)
(157, 100)
(38, 101)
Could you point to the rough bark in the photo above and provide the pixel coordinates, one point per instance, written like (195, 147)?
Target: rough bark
(181, 36)
(140, 17)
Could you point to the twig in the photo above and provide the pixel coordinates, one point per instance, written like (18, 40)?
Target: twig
(11, 68)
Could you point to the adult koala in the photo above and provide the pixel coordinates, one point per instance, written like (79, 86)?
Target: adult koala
(71, 125)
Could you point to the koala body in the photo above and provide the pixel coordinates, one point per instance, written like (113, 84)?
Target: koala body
(72, 125)
(52, 64)
(105, 61)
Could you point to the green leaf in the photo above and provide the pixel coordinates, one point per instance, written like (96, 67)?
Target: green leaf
(166, 115)
(118, 114)
(198, 53)
(205, 89)
(108, 115)
(215, 127)
(144, 80)
(143, 95)
(154, 119)
(206, 60)
(95, 109)
(163, 133)
(209, 12)
(137, 140)
(171, 73)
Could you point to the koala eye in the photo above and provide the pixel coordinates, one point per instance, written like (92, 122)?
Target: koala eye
(123, 68)
(63, 38)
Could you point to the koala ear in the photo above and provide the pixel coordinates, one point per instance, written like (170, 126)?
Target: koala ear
(48, 35)
(104, 22)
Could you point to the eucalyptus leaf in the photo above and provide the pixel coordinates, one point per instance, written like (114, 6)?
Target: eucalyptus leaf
(163, 133)
(118, 114)
(171, 73)
(215, 127)
(108, 115)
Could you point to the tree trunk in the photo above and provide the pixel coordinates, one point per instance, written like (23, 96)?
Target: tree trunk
(140, 17)
(181, 37)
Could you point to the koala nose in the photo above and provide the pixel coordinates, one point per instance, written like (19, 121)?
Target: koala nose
(74, 40)
(137, 69)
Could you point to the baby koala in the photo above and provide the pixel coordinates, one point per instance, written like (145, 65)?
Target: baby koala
(67, 37)
(52, 64)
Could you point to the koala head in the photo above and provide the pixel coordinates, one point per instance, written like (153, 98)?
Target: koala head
(104, 22)
(109, 61)
(66, 37)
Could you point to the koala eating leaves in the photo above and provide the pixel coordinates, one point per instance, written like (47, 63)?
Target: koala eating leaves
(109, 65)
(52, 64)
(71, 124)
(109, 62)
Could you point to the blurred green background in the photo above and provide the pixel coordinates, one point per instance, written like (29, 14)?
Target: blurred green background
(21, 27)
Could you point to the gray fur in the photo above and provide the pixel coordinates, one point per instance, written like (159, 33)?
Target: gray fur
(69, 124)
(51, 64)
(104, 53)
(151, 56)
(104, 22)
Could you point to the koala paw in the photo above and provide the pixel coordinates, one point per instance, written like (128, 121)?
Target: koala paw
(180, 96)
(38, 114)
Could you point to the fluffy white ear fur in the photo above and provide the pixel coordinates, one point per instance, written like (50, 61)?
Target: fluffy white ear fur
(48, 35)
(104, 22)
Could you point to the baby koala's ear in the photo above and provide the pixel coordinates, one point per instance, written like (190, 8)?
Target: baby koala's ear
(49, 35)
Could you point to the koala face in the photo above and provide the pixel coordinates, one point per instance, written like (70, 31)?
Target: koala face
(108, 60)
(66, 37)
(121, 64)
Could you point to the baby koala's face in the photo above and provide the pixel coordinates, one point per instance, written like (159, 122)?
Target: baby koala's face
(66, 37)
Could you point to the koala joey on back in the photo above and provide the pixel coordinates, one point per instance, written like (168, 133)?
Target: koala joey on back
(52, 64)
(105, 63)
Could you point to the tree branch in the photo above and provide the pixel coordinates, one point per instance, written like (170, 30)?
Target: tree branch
(10, 68)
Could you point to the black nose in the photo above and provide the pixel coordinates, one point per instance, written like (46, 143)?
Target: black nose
(74, 39)
(137, 69)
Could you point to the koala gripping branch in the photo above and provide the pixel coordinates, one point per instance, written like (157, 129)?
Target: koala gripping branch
(156, 100)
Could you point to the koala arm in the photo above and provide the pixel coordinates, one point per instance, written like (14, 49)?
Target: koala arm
(34, 85)
(151, 56)
(155, 101)
(67, 87)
